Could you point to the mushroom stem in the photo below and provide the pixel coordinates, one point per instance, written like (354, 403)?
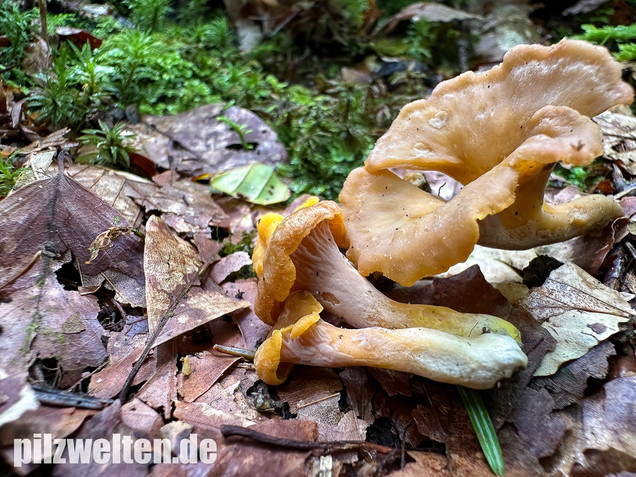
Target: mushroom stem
(477, 362)
(325, 272)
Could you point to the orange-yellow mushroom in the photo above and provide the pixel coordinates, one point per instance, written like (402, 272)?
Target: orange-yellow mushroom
(303, 254)
(302, 337)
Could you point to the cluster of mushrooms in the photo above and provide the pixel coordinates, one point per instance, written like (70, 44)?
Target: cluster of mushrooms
(499, 133)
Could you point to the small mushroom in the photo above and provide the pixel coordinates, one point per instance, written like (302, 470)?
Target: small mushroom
(303, 254)
(499, 133)
(302, 337)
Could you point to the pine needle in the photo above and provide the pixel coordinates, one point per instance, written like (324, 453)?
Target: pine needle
(483, 428)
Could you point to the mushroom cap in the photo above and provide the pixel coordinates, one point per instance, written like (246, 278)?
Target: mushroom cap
(301, 311)
(406, 233)
(278, 269)
(265, 227)
(472, 122)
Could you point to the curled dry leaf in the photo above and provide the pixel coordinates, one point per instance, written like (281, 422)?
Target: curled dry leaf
(578, 311)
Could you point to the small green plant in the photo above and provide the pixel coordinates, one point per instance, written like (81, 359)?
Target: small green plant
(619, 39)
(241, 129)
(112, 146)
(73, 90)
(135, 56)
(582, 177)
(8, 175)
(432, 43)
(17, 27)
(148, 14)
(482, 424)
(246, 244)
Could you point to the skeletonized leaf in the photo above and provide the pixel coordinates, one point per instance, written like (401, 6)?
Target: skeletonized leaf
(257, 183)
(578, 311)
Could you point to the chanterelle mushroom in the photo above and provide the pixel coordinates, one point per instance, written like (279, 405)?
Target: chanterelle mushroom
(302, 337)
(303, 254)
(499, 133)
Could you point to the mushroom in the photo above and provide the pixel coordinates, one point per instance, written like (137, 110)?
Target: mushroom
(499, 133)
(303, 254)
(265, 227)
(302, 337)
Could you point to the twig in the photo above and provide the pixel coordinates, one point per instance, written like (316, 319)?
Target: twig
(58, 397)
(150, 344)
(44, 33)
(230, 431)
(247, 354)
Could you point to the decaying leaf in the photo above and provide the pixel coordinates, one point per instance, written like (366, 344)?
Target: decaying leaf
(197, 142)
(185, 206)
(16, 398)
(172, 276)
(578, 311)
(56, 215)
(619, 138)
(257, 183)
(43, 320)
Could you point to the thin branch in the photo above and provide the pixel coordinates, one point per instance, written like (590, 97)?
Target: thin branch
(230, 431)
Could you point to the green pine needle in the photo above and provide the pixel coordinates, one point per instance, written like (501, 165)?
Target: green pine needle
(483, 428)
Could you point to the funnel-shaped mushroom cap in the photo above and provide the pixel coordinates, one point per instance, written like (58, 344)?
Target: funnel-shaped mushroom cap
(278, 270)
(391, 233)
(474, 121)
(301, 337)
(406, 233)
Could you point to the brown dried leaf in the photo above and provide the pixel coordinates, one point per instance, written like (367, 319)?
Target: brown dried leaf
(185, 205)
(57, 214)
(228, 265)
(578, 311)
(102, 426)
(16, 398)
(172, 266)
(143, 420)
(610, 426)
(540, 428)
(253, 329)
(361, 388)
(619, 138)
(568, 385)
(115, 188)
(205, 370)
(197, 142)
(160, 391)
(124, 348)
(469, 292)
(43, 320)
(307, 386)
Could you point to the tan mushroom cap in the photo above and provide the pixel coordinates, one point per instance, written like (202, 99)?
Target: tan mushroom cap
(406, 233)
(474, 121)
(278, 270)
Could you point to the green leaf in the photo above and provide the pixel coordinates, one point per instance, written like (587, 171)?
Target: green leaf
(483, 428)
(256, 182)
